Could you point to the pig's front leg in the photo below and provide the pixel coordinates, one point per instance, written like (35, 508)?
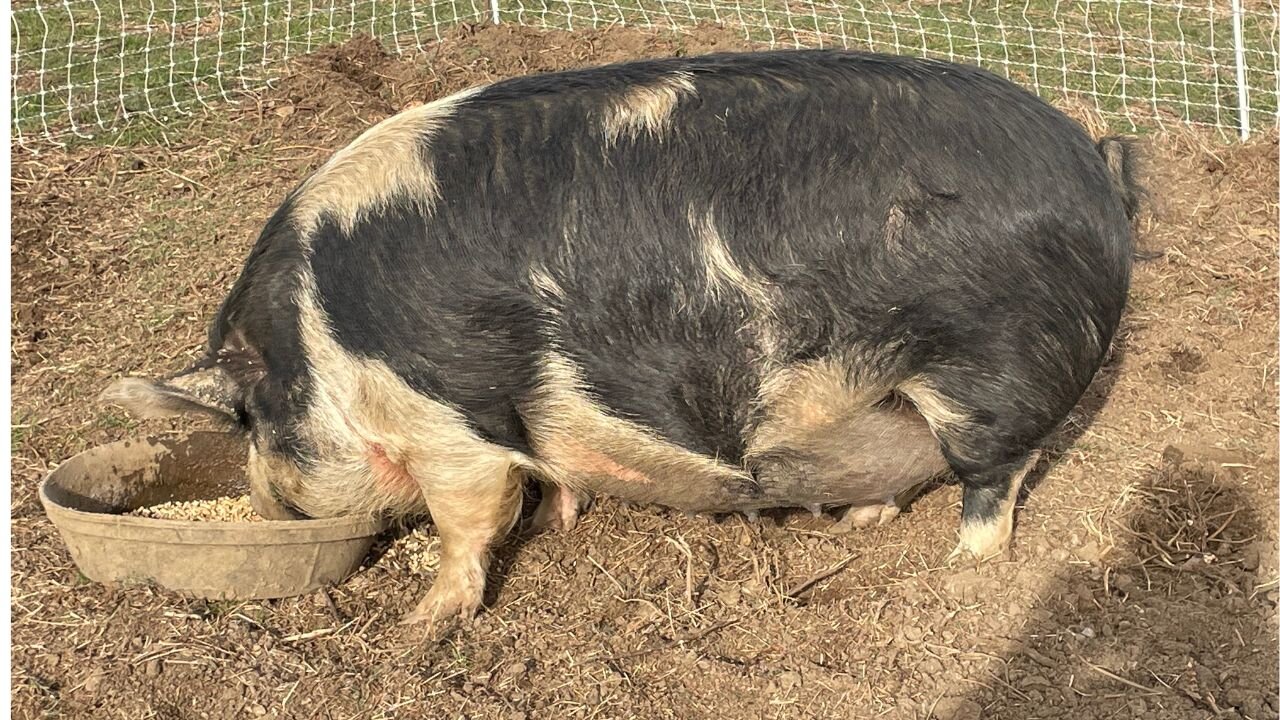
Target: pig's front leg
(470, 517)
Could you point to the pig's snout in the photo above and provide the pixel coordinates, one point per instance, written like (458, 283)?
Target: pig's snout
(264, 503)
(262, 494)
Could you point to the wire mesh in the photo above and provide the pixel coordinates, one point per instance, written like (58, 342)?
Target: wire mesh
(84, 66)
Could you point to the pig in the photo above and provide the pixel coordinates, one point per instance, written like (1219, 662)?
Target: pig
(722, 284)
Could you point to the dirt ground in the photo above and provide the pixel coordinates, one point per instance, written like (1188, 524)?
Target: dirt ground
(1144, 582)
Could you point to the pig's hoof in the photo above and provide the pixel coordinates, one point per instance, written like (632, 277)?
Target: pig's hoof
(965, 557)
(444, 605)
(961, 559)
(865, 517)
(982, 542)
(559, 509)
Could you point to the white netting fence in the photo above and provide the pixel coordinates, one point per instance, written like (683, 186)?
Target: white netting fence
(84, 66)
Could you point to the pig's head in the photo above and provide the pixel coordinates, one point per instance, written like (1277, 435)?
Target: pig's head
(333, 428)
(231, 387)
(257, 376)
(330, 432)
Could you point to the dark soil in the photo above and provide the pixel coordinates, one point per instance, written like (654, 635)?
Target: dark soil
(1145, 577)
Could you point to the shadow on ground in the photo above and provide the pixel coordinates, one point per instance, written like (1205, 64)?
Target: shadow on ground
(1177, 621)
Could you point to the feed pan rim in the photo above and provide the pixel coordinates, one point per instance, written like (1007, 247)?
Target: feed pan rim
(180, 531)
(266, 532)
(86, 496)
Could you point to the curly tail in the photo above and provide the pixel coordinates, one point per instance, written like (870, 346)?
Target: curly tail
(1121, 155)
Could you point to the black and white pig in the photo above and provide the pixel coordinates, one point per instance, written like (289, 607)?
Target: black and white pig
(720, 284)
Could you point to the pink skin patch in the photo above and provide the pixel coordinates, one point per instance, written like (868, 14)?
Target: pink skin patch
(568, 508)
(583, 460)
(391, 477)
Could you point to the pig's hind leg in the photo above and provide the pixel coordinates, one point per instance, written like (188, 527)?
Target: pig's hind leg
(987, 508)
(470, 515)
(865, 516)
(559, 508)
(991, 450)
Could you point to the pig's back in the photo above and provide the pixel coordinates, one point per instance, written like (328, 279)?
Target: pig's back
(673, 229)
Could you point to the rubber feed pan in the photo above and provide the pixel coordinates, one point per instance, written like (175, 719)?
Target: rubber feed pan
(86, 496)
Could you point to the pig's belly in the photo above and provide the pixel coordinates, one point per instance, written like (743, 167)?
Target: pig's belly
(864, 460)
(878, 482)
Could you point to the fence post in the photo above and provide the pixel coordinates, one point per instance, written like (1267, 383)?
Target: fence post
(493, 10)
(1242, 82)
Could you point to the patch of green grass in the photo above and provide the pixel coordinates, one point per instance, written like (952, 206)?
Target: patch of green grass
(111, 420)
(159, 319)
(1137, 60)
(82, 66)
(461, 660)
(221, 608)
(85, 67)
(20, 431)
(141, 130)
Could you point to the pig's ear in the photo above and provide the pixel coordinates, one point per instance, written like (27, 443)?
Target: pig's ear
(200, 390)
